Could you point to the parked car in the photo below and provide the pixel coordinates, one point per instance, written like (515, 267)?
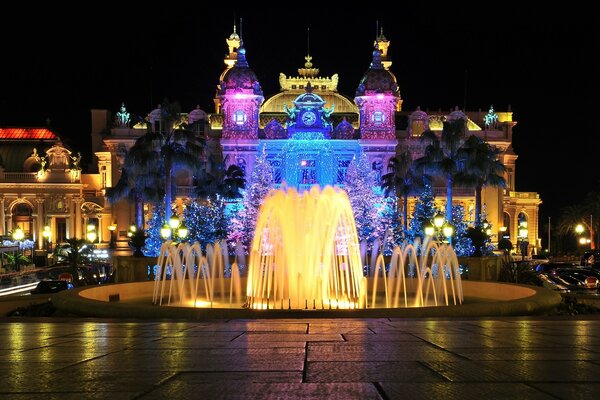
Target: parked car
(591, 259)
(51, 286)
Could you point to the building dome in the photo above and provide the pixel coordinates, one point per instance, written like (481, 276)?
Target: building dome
(377, 79)
(241, 77)
(456, 114)
(418, 122)
(309, 99)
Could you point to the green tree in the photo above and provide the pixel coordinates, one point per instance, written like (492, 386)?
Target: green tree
(402, 180)
(76, 253)
(442, 156)
(586, 213)
(222, 181)
(174, 145)
(481, 168)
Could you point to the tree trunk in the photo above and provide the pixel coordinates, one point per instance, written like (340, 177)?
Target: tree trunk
(478, 189)
(405, 222)
(168, 194)
(139, 211)
(449, 183)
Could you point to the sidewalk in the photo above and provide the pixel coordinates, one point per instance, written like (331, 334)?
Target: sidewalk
(512, 357)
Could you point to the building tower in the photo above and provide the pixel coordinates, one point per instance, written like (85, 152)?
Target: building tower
(240, 97)
(378, 98)
(382, 43)
(233, 43)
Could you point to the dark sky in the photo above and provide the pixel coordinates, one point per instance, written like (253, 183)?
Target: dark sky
(537, 60)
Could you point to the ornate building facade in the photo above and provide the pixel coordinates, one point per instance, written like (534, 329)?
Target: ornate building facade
(309, 131)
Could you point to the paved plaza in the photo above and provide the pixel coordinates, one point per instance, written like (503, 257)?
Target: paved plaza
(483, 358)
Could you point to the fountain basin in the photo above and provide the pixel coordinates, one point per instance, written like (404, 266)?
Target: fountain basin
(132, 300)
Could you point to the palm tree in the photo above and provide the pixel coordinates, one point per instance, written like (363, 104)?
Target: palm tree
(582, 213)
(221, 181)
(442, 156)
(140, 181)
(403, 180)
(173, 146)
(481, 167)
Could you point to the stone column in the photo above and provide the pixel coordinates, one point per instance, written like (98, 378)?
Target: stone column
(2, 216)
(77, 205)
(40, 222)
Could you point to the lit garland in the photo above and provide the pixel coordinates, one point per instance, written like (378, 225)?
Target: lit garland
(308, 146)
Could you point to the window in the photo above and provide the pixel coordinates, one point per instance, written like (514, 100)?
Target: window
(341, 171)
(378, 118)
(308, 172)
(239, 117)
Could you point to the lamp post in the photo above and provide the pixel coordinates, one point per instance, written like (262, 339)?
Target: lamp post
(112, 229)
(18, 236)
(47, 234)
(439, 227)
(523, 234)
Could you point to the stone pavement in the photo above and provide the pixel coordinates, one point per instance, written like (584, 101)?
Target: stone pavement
(482, 358)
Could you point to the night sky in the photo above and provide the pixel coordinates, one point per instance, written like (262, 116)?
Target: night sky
(537, 61)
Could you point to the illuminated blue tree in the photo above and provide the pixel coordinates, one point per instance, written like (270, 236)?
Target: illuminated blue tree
(366, 204)
(425, 210)
(460, 241)
(205, 221)
(261, 182)
(154, 240)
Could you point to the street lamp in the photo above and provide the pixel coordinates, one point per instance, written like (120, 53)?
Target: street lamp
(165, 231)
(47, 234)
(112, 229)
(502, 231)
(91, 236)
(18, 236)
(522, 236)
(182, 231)
(132, 230)
(174, 222)
(439, 226)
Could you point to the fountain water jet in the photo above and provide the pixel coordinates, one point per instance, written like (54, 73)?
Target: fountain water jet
(305, 255)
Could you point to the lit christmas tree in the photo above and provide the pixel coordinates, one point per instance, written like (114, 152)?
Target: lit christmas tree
(200, 219)
(390, 222)
(261, 183)
(154, 240)
(366, 204)
(425, 210)
(460, 241)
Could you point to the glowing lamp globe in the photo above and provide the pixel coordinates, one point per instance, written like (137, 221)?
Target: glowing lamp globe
(438, 220)
(174, 222)
(448, 230)
(428, 229)
(18, 234)
(165, 231)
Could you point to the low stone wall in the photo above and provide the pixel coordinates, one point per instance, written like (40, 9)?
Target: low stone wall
(132, 269)
(482, 268)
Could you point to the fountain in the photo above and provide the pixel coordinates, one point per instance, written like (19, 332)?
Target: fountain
(305, 255)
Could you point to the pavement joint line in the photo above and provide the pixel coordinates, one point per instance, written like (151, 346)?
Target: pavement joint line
(238, 336)
(528, 384)
(429, 367)
(157, 385)
(305, 364)
(88, 360)
(380, 390)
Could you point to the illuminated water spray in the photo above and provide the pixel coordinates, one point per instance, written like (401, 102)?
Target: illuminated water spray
(305, 252)
(305, 255)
